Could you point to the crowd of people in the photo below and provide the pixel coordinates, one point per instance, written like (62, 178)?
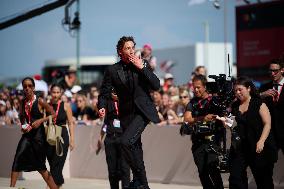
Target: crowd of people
(130, 97)
(170, 101)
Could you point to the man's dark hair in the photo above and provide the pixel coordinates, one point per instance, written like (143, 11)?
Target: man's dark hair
(122, 41)
(201, 78)
(279, 61)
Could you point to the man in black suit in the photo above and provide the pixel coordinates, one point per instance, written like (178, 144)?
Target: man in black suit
(273, 96)
(132, 79)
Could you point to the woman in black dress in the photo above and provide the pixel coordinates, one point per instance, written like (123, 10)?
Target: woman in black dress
(31, 150)
(63, 114)
(256, 147)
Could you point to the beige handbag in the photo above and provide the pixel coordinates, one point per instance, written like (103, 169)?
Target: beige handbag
(53, 136)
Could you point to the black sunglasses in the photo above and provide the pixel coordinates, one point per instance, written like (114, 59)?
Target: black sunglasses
(274, 71)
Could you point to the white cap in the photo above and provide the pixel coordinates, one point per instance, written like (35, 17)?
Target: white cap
(76, 88)
(68, 94)
(2, 102)
(169, 76)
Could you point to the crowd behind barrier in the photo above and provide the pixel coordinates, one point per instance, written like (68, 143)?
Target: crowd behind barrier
(167, 156)
(170, 102)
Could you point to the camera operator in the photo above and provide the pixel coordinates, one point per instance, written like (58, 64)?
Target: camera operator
(198, 111)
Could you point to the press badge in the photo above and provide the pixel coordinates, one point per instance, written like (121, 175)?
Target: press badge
(116, 123)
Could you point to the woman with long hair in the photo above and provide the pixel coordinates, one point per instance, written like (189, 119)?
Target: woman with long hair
(31, 151)
(63, 115)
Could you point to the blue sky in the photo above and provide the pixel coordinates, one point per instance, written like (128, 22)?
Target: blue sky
(163, 23)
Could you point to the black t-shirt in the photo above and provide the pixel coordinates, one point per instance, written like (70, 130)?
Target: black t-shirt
(198, 106)
(202, 107)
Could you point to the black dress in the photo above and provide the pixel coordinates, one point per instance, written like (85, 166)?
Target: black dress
(249, 128)
(57, 162)
(31, 150)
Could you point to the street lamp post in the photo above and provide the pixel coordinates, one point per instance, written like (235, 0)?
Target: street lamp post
(74, 30)
(78, 42)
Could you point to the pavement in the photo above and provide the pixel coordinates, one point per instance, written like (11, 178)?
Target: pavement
(78, 183)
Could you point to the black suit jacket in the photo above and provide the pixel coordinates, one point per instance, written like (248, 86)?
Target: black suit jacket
(279, 105)
(277, 112)
(144, 81)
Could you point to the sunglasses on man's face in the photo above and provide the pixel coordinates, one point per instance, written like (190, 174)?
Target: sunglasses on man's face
(273, 70)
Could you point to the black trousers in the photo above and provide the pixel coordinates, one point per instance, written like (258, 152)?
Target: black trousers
(278, 133)
(206, 162)
(56, 163)
(262, 171)
(131, 145)
(118, 169)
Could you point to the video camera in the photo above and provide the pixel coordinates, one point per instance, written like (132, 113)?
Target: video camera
(198, 128)
(208, 128)
(222, 90)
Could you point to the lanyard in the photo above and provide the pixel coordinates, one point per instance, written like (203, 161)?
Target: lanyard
(116, 107)
(28, 109)
(56, 113)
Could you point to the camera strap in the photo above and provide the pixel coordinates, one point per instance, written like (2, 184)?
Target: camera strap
(204, 103)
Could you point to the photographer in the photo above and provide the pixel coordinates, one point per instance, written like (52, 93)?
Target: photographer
(199, 111)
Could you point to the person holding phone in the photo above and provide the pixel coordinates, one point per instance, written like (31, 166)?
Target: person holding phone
(272, 94)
